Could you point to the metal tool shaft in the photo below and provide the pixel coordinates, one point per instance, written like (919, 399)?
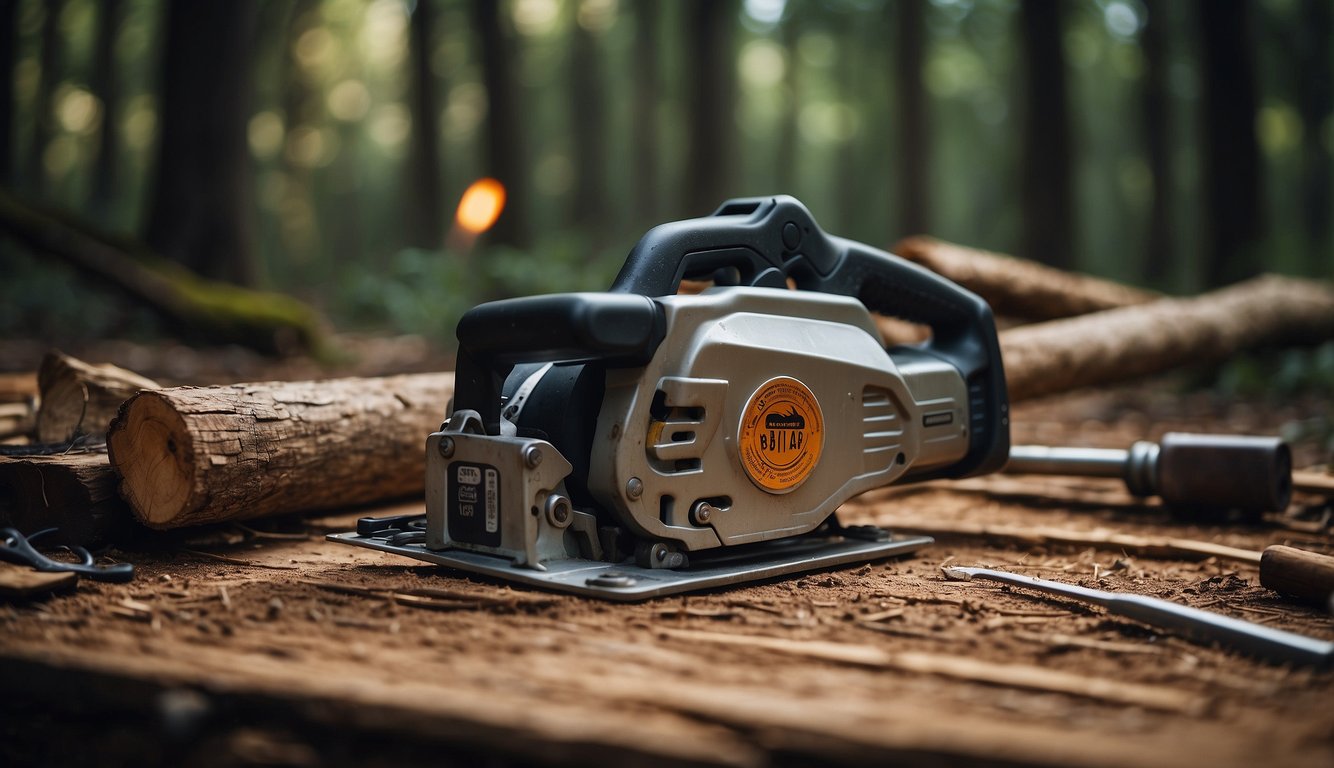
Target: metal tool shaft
(1253, 474)
(1205, 626)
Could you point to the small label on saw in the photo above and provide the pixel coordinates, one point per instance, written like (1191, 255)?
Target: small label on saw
(781, 436)
(474, 503)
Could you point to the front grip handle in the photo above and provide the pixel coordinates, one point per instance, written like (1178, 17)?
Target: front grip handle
(769, 241)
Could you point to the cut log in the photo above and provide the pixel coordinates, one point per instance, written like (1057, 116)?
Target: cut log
(1120, 344)
(81, 399)
(18, 405)
(191, 455)
(193, 308)
(1017, 287)
(74, 493)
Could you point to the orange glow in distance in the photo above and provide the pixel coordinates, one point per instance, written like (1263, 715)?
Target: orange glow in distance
(480, 206)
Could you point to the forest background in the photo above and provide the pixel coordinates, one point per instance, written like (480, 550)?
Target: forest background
(321, 148)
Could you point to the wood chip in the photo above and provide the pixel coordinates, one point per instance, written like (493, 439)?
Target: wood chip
(19, 582)
(239, 561)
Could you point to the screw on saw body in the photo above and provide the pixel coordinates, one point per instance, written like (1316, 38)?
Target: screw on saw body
(634, 488)
(446, 447)
(532, 456)
(1250, 474)
(559, 511)
(702, 513)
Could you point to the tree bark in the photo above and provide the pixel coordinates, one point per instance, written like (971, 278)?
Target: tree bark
(81, 399)
(1120, 344)
(1231, 164)
(189, 456)
(426, 215)
(1047, 193)
(200, 214)
(74, 493)
(1018, 287)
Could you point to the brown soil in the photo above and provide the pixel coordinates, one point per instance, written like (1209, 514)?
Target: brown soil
(234, 646)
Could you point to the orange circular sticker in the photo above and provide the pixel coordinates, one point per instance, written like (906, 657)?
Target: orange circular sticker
(782, 434)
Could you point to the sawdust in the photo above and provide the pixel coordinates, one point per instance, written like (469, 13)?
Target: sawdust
(290, 650)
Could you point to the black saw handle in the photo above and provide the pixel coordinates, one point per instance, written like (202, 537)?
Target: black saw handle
(767, 241)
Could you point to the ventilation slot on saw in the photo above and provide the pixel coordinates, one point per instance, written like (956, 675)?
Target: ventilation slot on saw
(673, 445)
(882, 429)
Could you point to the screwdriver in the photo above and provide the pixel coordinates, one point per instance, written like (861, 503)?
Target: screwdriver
(1203, 626)
(1251, 474)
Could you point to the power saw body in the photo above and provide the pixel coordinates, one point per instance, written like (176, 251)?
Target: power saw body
(641, 442)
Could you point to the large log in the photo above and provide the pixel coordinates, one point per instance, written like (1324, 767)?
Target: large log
(1017, 287)
(1121, 344)
(191, 455)
(80, 398)
(74, 493)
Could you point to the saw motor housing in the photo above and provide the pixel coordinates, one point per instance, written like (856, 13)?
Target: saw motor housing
(643, 424)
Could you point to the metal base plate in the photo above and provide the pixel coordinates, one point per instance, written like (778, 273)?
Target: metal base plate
(627, 582)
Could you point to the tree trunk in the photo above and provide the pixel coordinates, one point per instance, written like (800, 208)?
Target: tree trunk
(911, 164)
(1018, 287)
(505, 150)
(43, 127)
(200, 214)
(1047, 193)
(8, 58)
(1231, 174)
(1121, 344)
(1315, 102)
(786, 156)
(711, 82)
(81, 399)
(189, 456)
(106, 85)
(647, 92)
(74, 493)
(426, 214)
(1157, 140)
(588, 127)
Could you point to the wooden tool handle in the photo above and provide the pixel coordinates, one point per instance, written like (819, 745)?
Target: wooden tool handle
(1297, 573)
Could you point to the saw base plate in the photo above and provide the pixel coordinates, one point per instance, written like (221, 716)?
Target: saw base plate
(627, 582)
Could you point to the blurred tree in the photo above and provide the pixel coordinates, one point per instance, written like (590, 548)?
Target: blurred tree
(43, 118)
(644, 119)
(1314, 76)
(199, 214)
(910, 113)
(8, 56)
(1157, 139)
(505, 156)
(786, 154)
(301, 108)
(106, 86)
(588, 129)
(426, 214)
(711, 82)
(1045, 161)
(1233, 222)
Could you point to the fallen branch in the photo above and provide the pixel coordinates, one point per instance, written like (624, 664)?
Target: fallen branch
(1018, 287)
(192, 306)
(191, 455)
(80, 399)
(1120, 344)
(958, 667)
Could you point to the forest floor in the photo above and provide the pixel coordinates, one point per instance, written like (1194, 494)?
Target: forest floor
(266, 644)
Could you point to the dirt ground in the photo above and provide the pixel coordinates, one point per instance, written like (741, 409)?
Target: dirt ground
(267, 645)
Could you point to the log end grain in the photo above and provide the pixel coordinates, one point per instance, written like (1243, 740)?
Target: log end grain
(152, 450)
